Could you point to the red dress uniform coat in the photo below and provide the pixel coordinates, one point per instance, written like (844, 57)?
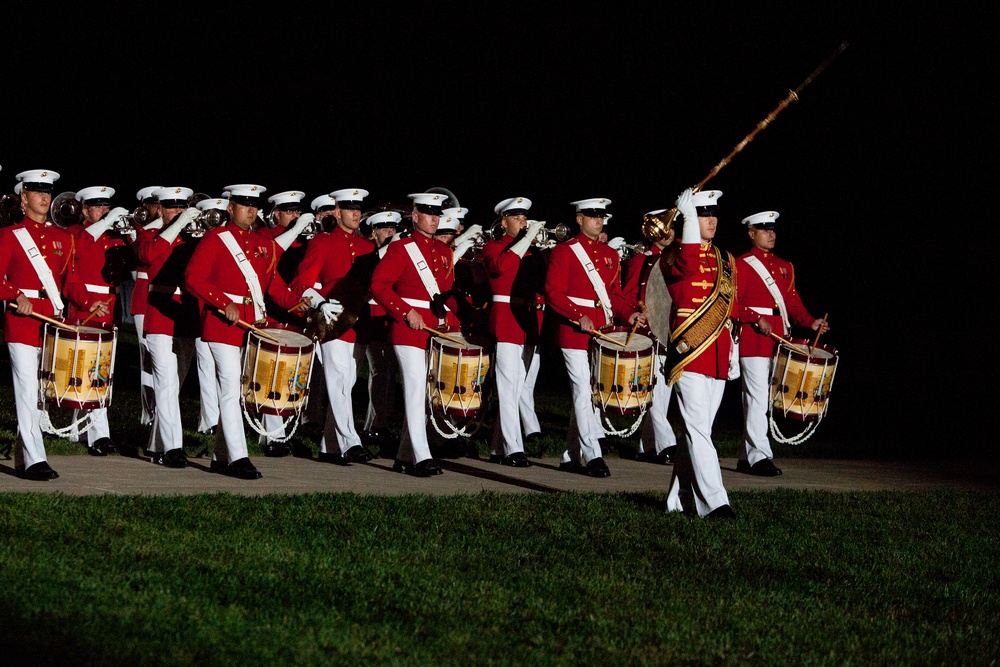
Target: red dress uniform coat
(396, 279)
(96, 263)
(213, 273)
(17, 273)
(752, 292)
(168, 312)
(690, 281)
(328, 258)
(518, 321)
(140, 290)
(567, 278)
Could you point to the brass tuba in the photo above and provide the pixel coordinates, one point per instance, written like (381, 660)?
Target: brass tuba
(65, 211)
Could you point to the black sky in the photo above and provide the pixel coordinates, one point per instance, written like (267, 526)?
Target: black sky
(881, 172)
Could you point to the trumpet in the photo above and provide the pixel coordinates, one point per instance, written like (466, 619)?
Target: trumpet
(133, 221)
(627, 252)
(312, 229)
(547, 238)
(544, 239)
(206, 221)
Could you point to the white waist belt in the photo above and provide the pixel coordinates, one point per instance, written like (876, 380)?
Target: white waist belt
(100, 289)
(165, 289)
(317, 285)
(417, 303)
(501, 298)
(237, 298)
(33, 293)
(593, 303)
(505, 298)
(763, 311)
(141, 275)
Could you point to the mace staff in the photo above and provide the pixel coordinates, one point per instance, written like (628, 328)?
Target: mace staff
(792, 96)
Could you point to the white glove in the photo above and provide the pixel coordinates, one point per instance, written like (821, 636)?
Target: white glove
(331, 310)
(692, 230)
(461, 249)
(179, 224)
(105, 223)
(468, 235)
(286, 237)
(617, 242)
(314, 297)
(530, 232)
(155, 224)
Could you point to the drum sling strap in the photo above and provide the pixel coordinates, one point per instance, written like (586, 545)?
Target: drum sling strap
(595, 280)
(695, 334)
(41, 268)
(249, 274)
(424, 271)
(772, 287)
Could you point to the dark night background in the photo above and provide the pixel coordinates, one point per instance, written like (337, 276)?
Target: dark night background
(881, 172)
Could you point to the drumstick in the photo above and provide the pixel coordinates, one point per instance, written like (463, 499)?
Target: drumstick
(61, 325)
(250, 327)
(296, 307)
(818, 332)
(635, 325)
(444, 335)
(790, 344)
(595, 332)
(92, 313)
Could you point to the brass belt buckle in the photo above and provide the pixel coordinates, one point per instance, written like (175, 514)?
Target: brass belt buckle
(42, 294)
(248, 301)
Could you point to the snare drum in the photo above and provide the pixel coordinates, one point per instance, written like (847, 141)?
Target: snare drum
(621, 376)
(276, 375)
(801, 383)
(457, 375)
(77, 367)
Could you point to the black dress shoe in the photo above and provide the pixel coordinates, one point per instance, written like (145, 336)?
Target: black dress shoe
(39, 472)
(97, 449)
(243, 469)
(721, 512)
(598, 468)
(358, 454)
(516, 460)
(277, 449)
(218, 467)
(335, 458)
(174, 458)
(763, 468)
(425, 468)
(495, 458)
(658, 458)
(573, 466)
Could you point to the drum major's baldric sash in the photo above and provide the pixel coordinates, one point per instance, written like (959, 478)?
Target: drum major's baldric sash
(696, 333)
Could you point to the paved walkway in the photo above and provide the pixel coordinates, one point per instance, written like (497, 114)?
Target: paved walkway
(86, 475)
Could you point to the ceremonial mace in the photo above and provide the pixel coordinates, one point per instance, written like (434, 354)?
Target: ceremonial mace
(656, 227)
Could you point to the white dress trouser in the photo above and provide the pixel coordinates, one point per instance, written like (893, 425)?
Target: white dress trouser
(582, 438)
(208, 387)
(340, 368)
(756, 373)
(656, 433)
(529, 419)
(697, 482)
(513, 362)
(172, 357)
(145, 374)
(24, 362)
(230, 437)
(98, 425)
(382, 367)
(413, 445)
